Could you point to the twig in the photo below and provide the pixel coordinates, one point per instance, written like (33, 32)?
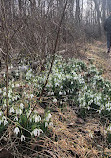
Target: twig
(6, 37)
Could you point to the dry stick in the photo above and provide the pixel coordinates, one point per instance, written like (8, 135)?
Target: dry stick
(6, 37)
(53, 57)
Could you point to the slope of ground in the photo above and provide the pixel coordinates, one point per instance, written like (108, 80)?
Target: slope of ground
(73, 136)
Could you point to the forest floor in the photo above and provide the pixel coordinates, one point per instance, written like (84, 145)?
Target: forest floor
(77, 137)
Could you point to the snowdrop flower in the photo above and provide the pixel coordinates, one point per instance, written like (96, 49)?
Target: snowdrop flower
(4, 105)
(49, 93)
(31, 96)
(4, 75)
(60, 93)
(16, 97)
(54, 100)
(17, 85)
(64, 93)
(4, 94)
(56, 84)
(51, 124)
(5, 122)
(36, 132)
(46, 124)
(109, 128)
(39, 131)
(16, 118)
(11, 66)
(11, 110)
(22, 138)
(21, 105)
(9, 95)
(18, 111)
(12, 85)
(16, 130)
(71, 82)
(37, 118)
(17, 74)
(24, 93)
(90, 135)
(48, 117)
(88, 108)
(52, 93)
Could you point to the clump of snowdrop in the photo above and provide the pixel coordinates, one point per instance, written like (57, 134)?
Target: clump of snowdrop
(72, 80)
(36, 132)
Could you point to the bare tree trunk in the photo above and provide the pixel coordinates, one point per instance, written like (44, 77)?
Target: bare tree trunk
(98, 16)
(77, 14)
(103, 9)
(33, 6)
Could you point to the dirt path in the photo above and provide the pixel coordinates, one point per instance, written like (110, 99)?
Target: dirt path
(97, 52)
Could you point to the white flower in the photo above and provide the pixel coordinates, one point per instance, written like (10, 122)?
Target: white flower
(39, 130)
(46, 124)
(51, 124)
(90, 135)
(11, 110)
(31, 96)
(16, 118)
(64, 93)
(60, 93)
(52, 93)
(4, 94)
(17, 74)
(36, 132)
(24, 93)
(12, 85)
(49, 93)
(56, 84)
(21, 105)
(54, 100)
(11, 66)
(22, 138)
(109, 128)
(37, 118)
(48, 117)
(17, 85)
(18, 111)
(88, 107)
(4, 75)
(61, 102)
(4, 105)
(16, 130)
(5, 122)
(9, 95)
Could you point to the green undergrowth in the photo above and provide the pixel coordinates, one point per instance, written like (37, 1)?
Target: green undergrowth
(69, 81)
